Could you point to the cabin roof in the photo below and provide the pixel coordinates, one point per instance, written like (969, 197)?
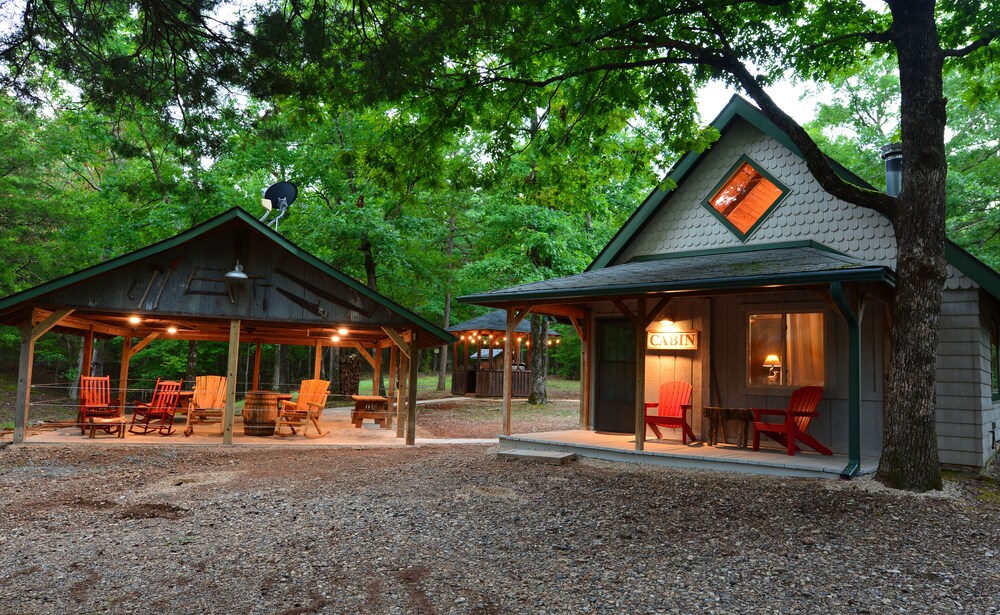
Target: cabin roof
(791, 264)
(493, 321)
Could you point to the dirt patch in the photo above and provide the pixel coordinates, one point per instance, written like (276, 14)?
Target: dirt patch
(151, 511)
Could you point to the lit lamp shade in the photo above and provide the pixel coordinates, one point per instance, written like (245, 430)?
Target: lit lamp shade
(772, 360)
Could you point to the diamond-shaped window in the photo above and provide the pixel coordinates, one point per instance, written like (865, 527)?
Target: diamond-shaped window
(743, 200)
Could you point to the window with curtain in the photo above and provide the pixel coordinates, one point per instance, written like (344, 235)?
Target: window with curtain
(786, 349)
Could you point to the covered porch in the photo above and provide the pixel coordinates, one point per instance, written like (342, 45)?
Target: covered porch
(745, 328)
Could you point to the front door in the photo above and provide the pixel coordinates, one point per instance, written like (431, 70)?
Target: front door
(615, 407)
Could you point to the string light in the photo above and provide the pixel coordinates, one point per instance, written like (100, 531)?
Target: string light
(334, 338)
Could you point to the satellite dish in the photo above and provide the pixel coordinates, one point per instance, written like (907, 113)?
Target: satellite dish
(278, 197)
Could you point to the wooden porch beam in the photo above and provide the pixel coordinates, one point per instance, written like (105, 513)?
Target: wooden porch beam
(411, 397)
(514, 318)
(88, 352)
(142, 344)
(123, 372)
(640, 375)
(401, 343)
(52, 320)
(364, 353)
(256, 368)
(317, 360)
(27, 359)
(649, 318)
(618, 303)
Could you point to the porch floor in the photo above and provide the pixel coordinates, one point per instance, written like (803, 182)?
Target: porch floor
(698, 455)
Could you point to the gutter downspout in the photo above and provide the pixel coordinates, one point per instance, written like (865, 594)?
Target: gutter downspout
(853, 381)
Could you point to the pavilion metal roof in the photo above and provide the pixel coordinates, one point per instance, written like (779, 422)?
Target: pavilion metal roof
(793, 264)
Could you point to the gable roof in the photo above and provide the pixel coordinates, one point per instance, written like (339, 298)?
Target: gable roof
(494, 321)
(791, 264)
(236, 215)
(736, 109)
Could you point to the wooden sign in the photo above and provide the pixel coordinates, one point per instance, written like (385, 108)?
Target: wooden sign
(672, 340)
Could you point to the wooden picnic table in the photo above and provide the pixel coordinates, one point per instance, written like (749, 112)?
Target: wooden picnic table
(373, 407)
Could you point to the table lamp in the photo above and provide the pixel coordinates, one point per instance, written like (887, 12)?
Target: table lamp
(774, 363)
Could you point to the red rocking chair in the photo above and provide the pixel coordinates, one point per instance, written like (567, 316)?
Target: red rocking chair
(801, 410)
(95, 400)
(675, 399)
(161, 408)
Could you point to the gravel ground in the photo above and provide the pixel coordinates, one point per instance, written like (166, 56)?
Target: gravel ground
(127, 529)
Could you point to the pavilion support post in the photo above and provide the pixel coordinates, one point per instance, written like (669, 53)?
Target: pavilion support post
(377, 371)
(393, 371)
(88, 352)
(123, 372)
(256, 369)
(411, 396)
(640, 376)
(404, 371)
(232, 365)
(318, 361)
(24, 366)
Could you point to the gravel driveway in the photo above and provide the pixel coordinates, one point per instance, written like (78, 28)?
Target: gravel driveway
(127, 529)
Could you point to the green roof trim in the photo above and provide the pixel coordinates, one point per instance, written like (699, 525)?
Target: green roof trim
(980, 273)
(744, 159)
(236, 213)
(737, 108)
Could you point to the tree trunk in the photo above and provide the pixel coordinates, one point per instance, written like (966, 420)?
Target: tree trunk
(335, 370)
(910, 453)
(279, 360)
(371, 281)
(192, 361)
(450, 249)
(538, 394)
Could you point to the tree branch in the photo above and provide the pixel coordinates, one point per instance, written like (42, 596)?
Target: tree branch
(971, 47)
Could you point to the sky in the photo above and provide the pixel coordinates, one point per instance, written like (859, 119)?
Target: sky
(712, 98)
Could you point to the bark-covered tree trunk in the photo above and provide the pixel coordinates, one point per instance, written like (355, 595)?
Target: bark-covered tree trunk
(538, 394)
(371, 281)
(279, 361)
(450, 250)
(910, 453)
(192, 361)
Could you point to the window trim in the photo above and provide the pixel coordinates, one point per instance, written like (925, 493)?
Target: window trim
(744, 159)
(745, 387)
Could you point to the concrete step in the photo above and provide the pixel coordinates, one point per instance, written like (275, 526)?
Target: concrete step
(523, 454)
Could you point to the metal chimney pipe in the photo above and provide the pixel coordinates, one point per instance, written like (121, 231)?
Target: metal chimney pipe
(893, 156)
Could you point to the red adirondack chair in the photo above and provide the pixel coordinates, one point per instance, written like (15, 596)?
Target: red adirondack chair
(675, 399)
(95, 400)
(161, 408)
(801, 410)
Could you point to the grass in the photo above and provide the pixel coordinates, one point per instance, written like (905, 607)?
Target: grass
(558, 388)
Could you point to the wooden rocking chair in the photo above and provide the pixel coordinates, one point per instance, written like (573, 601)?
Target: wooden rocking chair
(95, 400)
(675, 400)
(208, 403)
(161, 408)
(801, 410)
(306, 409)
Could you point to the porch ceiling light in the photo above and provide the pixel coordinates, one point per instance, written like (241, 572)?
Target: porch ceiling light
(134, 320)
(171, 329)
(334, 338)
(237, 275)
(342, 331)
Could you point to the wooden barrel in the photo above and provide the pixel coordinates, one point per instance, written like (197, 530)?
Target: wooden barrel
(260, 411)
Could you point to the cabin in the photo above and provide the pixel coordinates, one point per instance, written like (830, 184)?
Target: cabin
(748, 281)
(229, 279)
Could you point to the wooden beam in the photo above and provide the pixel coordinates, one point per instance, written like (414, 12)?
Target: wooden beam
(377, 372)
(317, 361)
(640, 376)
(584, 331)
(567, 311)
(627, 312)
(52, 320)
(397, 339)
(508, 379)
(25, 363)
(364, 353)
(393, 371)
(232, 367)
(256, 368)
(649, 318)
(123, 372)
(404, 373)
(88, 352)
(142, 344)
(411, 397)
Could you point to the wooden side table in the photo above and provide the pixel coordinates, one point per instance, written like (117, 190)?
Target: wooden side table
(114, 424)
(717, 417)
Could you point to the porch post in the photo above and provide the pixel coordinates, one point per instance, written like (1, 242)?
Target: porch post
(24, 377)
(582, 326)
(402, 392)
(853, 381)
(317, 361)
(411, 397)
(88, 352)
(640, 375)
(256, 368)
(123, 372)
(393, 370)
(508, 377)
(233, 363)
(377, 371)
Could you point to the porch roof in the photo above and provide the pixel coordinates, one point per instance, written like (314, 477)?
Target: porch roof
(746, 267)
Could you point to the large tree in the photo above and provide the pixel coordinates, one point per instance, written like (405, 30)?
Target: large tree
(606, 56)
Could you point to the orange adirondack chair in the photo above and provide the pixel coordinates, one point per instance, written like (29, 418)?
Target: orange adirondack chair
(161, 408)
(95, 400)
(208, 403)
(801, 410)
(306, 409)
(675, 399)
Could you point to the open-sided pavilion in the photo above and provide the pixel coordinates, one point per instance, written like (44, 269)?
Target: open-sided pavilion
(229, 279)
